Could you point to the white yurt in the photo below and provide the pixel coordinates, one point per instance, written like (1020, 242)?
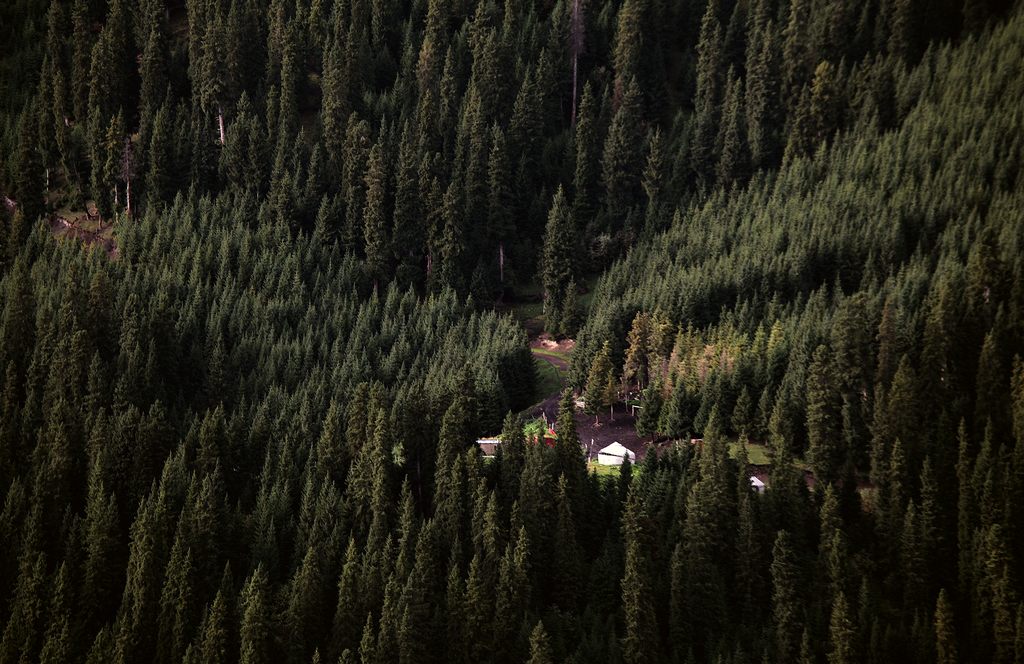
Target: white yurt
(614, 454)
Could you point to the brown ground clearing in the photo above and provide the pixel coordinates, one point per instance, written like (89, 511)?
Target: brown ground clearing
(87, 229)
(620, 427)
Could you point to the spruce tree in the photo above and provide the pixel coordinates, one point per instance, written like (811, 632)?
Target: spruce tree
(710, 88)
(30, 178)
(623, 156)
(764, 105)
(159, 177)
(408, 229)
(734, 160)
(640, 643)
(375, 241)
(540, 646)
(586, 160)
(559, 261)
(841, 634)
(501, 224)
(601, 373)
(825, 447)
(786, 605)
(945, 631)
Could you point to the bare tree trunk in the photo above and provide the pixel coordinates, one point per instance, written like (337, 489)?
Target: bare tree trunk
(575, 66)
(127, 169)
(576, 28)
(501, 261)
(220, 123)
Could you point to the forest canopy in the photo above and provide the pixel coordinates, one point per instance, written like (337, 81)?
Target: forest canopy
(256, 266)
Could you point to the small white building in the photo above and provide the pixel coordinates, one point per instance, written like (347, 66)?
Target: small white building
(614, 454)
(757, 484)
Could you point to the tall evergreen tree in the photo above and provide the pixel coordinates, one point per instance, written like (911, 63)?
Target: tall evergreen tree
(559, 261)
(623, 155)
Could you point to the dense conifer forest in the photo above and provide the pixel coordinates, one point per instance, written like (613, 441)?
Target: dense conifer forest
(261, 269)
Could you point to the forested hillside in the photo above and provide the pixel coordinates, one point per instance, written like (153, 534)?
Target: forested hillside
(250, 255)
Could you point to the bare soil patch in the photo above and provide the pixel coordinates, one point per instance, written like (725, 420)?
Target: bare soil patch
(87, 229)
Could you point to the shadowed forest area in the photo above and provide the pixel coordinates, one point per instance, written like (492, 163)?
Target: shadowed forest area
(270, 268)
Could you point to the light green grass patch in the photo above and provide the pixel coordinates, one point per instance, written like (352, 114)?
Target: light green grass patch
(557, 354)
(602, 470)
(756, 454)
(549, 379)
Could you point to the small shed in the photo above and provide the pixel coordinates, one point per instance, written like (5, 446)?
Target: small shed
(615, 454)
(489, 446)
(757, 484)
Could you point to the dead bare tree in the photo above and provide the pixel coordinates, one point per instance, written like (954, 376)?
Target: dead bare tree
(127, 172)
(576, 47)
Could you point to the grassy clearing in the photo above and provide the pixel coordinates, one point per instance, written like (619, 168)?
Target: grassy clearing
(756, 454)
(557, 354)
(528, 310)
(603, 471)
(549, 379)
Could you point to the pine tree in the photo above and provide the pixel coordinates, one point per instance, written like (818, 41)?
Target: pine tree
(641, 640)
(569, 462)
(623, 155)
(501, 224)
(601, 373)
(785, 598)
(356, 153)
(104, 558)
(945, 631)
(214, 638)
(823, 418)
(255, 632)
(375, 239)
(30, 178)
(903, 37)
(559, 261)
(408, 231)
(453, 238)
(178, 615)
(764, 105)
(629, 41)
(636, 362)
(159, 178)
(81, 52)
(568, 562)
(710, 88)
(841, 634)
(153, 81)
(335, 108)
(824, 104)
(797, 59)
(586, 159)
(540, 647)
(734, 160)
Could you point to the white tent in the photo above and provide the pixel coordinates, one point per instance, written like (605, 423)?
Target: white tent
(614, 454)
(757, 484)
